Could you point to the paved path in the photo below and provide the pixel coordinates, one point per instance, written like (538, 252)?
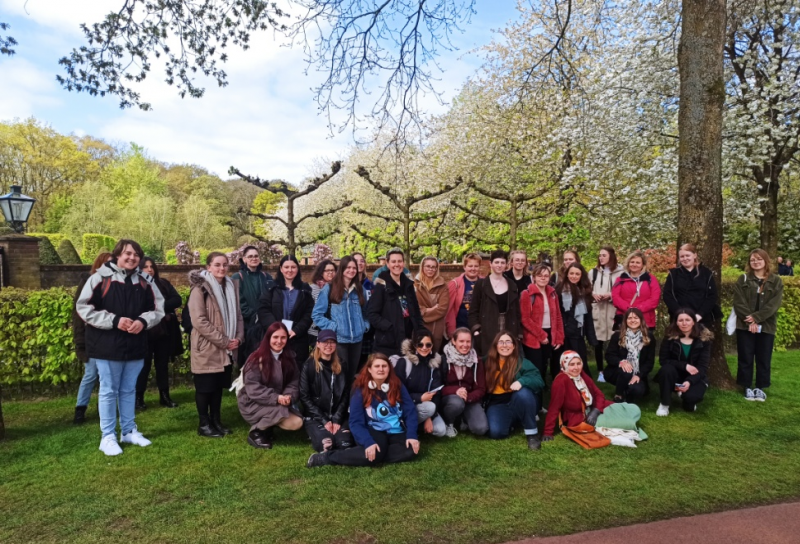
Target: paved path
(776, 524)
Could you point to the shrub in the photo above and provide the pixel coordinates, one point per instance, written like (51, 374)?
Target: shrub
(47, 253)
(6, 230)
(170, 257)
(68, 253)
(93, 244)
(54, 237)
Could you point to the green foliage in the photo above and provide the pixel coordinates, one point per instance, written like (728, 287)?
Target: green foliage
(6, 230)
(93, 244)
(169, 257)
(47, 253)
(54, 238)
(68, 253)
(789, 315)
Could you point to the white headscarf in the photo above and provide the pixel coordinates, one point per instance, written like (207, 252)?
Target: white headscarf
(580, 385)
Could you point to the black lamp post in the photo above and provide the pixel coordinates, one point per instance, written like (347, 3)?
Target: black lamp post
(16, 208)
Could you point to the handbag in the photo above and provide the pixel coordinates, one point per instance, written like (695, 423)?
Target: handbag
(586, 436)
(730, 326)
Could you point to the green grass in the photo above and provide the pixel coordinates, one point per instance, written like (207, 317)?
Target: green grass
(55, 486)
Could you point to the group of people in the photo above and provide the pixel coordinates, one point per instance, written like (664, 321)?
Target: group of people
(785, 268)
(365, 365)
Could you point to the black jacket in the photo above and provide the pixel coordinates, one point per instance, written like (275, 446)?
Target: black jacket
(385, 312)
(78, 324)
(696, 290)
(324, 395)
(699, 356)
(484, 313)
(270, 310)
(616, 353)
(424, 375)
(167, 334)
(571, 327)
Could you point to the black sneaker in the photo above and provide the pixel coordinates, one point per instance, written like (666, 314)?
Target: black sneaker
(534, 442)
(317, 460)
(80, 415)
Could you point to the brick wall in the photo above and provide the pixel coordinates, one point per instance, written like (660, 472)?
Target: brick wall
(21, 256)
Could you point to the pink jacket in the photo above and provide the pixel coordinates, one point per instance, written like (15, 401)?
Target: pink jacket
(624, 295)
(456, 290)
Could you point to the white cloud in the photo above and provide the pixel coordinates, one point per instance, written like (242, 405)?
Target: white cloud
(25, 89)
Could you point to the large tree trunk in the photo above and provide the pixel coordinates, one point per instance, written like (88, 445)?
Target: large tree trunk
(702, 97)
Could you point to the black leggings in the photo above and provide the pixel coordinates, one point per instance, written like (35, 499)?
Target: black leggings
(599, 352)
(321, 437)
(208, 404)
(392, 447)
(160, 352)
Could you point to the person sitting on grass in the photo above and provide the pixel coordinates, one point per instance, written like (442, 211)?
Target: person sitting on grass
(513, 384)
(323, 391)
(464, 381)
(418, 370)
(269, 386)
(684, 357)
(574, 397)
(383, 420)
(630, 357)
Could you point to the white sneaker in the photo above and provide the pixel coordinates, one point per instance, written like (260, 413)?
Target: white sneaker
(600, 378)
(748, 394)
(759, 395)
(135, 437)
(663, 410)
(109, 445)
(450, 431)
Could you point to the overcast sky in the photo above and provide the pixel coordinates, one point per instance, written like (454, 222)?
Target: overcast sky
(265, 121)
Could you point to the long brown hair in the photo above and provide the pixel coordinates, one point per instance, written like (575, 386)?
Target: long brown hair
(336, 365)
(100, 260)
(623, 327)
(674, 333)
(495, 376)
(612, 258)
(336, 294)
(583, 287)
(363, 378)
(263, 356)
(764, 255)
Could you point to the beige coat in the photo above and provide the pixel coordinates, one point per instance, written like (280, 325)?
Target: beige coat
(433, 305)
(603, 312)
(208, 341)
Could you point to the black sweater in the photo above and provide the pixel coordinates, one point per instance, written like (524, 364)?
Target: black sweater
(696, 290)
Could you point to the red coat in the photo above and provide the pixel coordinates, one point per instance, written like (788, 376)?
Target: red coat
(565, 400)
(456, 291)
(474, 381)
(532, 315)
(624, 291)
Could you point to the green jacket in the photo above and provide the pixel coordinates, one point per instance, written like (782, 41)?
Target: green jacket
(745, 295)
(528, 375)
(251, 286)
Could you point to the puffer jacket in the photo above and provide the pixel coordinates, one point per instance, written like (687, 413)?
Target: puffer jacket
(347, 318)
(603, 312)
(208, 341)
(324, 394)
(531, 303)
(671, 353)
(78, 325)
(422, 376)
(644, 294)
(128, 294)
(696, 290)
(746, 293)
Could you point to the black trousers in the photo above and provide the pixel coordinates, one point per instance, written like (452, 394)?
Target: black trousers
(392, 447)
(349, 355)
(541, 356)
(321, 437)
(599, 353)
(572, 343)
(209, 405)
(619, 378)
(668, 376)
(158, 351)
(754, 347)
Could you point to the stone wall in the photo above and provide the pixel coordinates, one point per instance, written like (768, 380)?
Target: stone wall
(20, 261)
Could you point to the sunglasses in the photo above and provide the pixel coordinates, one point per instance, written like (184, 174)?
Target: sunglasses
(424, 345)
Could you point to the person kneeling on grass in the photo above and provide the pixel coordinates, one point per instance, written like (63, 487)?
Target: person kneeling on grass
(513, 384)
(383, 420)
(418, 370)
(464, 385)
(630, 357)
(268, 386)
(323, 391)
(574, 397)
(685, 355)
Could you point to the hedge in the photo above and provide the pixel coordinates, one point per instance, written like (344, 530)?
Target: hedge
(36, 336)
(68, 253)
(47, 253)
(93, 244)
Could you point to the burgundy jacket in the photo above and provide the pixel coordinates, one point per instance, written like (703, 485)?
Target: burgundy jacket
(474, 381)
(565, 400)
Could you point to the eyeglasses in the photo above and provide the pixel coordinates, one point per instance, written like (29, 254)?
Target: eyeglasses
(424, 345)
(329, 270)
(505, 343)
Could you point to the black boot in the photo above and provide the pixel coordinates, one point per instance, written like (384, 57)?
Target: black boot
(217, 424)
(260, 439)
(140, 405)
(207, 429)
(80, 415)
(534, 442)
(164, 399)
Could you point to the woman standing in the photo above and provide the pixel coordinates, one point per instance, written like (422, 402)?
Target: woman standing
(495, 305)
(575, 301)
(433, 298)
(631, 356)
(603, 277)
(323, 274)
(369, 336)
(270, 386)
(217, 333)
(512, 385)
(757, 296)
(542, 327)
(325, 396)
(636, 288)
(253, 281)
(90, 376)
(163, 341)
(383, 420)
(290, 302)
(692, 285)
(464, 382)
(568, 257)
(341, 308)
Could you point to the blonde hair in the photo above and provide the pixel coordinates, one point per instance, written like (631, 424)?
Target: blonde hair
(336, 365)
(472, 257)
(635, 254)
(690, 248)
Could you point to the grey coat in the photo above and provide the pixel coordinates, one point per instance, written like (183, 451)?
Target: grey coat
(258, 401)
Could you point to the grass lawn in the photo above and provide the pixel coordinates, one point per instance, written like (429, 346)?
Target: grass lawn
(55, 486)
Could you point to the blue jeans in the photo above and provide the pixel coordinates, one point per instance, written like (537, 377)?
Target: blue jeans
(117, 386)
(87, 383)
(520, 410)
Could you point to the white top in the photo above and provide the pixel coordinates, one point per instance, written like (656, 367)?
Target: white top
(546, 317)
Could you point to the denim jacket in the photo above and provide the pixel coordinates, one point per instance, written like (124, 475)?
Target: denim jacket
(348, 318)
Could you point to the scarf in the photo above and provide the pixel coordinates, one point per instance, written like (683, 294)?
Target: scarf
(226, 302)
(460, 361)
(580, 385)
(580, 307)
(634, 344)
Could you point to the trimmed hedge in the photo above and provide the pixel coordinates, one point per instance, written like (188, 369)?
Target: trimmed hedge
(47, 253)
(93, 244)
(68, 253)
(36, 335)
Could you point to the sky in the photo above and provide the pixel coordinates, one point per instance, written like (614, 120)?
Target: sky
(265, 121)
